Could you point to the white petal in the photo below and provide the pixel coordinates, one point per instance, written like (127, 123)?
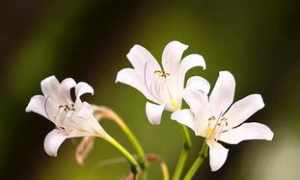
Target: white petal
(184, 117)
(223, 93)
(53, 140)
(154, 112)
(191, 61)
(198, 103)
(247, 131)
(217, 155)
(129, 77)
(68, 83)
(84, 121)
(66, 86)
(51, 107)
(37, 105)
(83, 88)
(50, 86)
(83, 109)
(172, 55)
(241, 110)
(139, 56)
(198, 83)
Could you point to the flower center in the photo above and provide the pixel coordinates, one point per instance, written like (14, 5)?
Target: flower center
(210, 133)
(162, 73)
(67, 107)
(215, 127)
(174, 104)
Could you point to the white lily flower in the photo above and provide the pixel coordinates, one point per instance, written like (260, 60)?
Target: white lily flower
(72, 119)
(215, 119)
(162, 86)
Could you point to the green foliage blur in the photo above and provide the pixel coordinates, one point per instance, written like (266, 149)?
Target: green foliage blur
(258, 41)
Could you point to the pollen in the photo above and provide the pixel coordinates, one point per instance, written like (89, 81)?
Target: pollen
(210, 133)
(162, 74)
(174, 103)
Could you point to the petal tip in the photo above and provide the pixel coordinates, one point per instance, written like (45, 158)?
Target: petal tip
(119, 74)
(203, 63)
(134, 49)
(154, 113)
(52, 142)
(178, 43)
(52, 77)
(270, 136)
(27, 109)
(36, 104)
(83, 88)
(226, 73)
(260, 100)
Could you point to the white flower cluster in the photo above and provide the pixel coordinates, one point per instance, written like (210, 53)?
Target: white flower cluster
(212, 116)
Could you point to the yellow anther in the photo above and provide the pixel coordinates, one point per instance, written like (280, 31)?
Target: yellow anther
(174, 104)
(161, 73)
(210, 133)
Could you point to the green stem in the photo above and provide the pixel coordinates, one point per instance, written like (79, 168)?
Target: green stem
(183, 154)
(198, 162)
(110, 114)
(137, 146)
(134, 164)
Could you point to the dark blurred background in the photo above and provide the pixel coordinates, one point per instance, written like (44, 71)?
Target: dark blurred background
(258, 41)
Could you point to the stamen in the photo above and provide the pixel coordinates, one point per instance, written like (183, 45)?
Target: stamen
(67, 108)
(162, 73)
(215, 127)
(174, 103)
(210, 133)
(211, 118)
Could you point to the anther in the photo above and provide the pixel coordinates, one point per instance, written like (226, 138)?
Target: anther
(162, 73)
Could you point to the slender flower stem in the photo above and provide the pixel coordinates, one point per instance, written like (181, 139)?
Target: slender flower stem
(134, 164)
(104, 112)
(198, 162)
(153, 158)
(183, 154)
(164, 170)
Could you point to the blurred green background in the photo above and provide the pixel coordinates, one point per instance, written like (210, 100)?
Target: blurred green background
(258, 41)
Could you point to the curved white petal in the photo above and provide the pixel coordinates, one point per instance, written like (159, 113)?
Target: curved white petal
(68, 83)
(37, 105)
(198, 103)
(184, 117)
(50, 86)
(138, 56)
(172, 55)
(83, 88)
(154, 112)
(198, 83)
(66, 86)
(129, 77)
(83, 109)
(217, 155)
(52, 109)
(247, 131)
(222, 95)
(53, 140)
(191, 61)
(241, 110)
